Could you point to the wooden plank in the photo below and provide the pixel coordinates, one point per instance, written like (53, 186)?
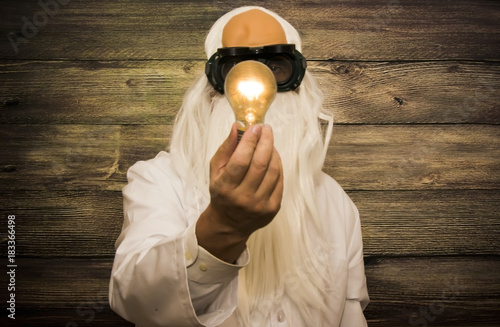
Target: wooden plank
(355, 30)
(361, 157)
(426, 223)
(75, 156)
(455, 291)
(94, 92)
(436, 291)
(151, 92)
(400, 93)
(427, 157)
(394, 223)
(400, 30)
(67, 223)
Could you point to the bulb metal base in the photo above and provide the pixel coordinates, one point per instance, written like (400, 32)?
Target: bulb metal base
(240, 135)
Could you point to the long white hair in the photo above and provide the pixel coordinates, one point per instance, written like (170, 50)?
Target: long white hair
(280, 253)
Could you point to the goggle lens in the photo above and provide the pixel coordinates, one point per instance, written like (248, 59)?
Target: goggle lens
(281, 66)
(228, 64)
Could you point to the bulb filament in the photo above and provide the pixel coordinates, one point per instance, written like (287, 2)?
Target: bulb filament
(250, 89)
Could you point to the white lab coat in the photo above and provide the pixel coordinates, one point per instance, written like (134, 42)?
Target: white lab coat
(161, 277)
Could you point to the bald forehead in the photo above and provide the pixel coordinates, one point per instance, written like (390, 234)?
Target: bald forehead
(253, 28)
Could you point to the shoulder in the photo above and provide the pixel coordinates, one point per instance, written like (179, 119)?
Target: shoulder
(156, 172)
(152, 169)
(329, 188)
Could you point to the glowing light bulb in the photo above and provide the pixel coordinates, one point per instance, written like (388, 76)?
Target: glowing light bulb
(250, 88)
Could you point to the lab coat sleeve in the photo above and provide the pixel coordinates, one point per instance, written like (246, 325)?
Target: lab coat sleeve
(357, 294)
(160, 276)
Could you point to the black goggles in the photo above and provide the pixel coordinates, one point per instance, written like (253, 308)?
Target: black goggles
(287, 64)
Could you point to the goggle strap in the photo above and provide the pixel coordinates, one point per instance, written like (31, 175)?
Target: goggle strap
(327, 116)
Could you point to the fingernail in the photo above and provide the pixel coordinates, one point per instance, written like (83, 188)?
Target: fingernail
(256, 128)
(267, 126)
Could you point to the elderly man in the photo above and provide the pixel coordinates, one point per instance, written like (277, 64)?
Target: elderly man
(221, 232)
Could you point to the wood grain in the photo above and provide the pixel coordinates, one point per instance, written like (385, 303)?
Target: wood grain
(452, 290)
(361, 157)
(354, 30)
(150, 92)
(436, 291)
(87, 223)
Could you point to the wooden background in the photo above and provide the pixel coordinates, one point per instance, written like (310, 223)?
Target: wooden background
(94, 87)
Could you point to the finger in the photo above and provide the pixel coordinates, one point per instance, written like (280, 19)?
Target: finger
(225, 151)
(238, 164)
(272, 179)
(260, 160)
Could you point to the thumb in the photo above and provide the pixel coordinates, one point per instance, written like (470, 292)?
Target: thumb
(225, 151)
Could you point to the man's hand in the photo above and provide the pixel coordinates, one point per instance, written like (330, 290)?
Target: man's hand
(246, 186)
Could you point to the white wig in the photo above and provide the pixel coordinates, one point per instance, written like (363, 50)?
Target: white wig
(202, 124)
